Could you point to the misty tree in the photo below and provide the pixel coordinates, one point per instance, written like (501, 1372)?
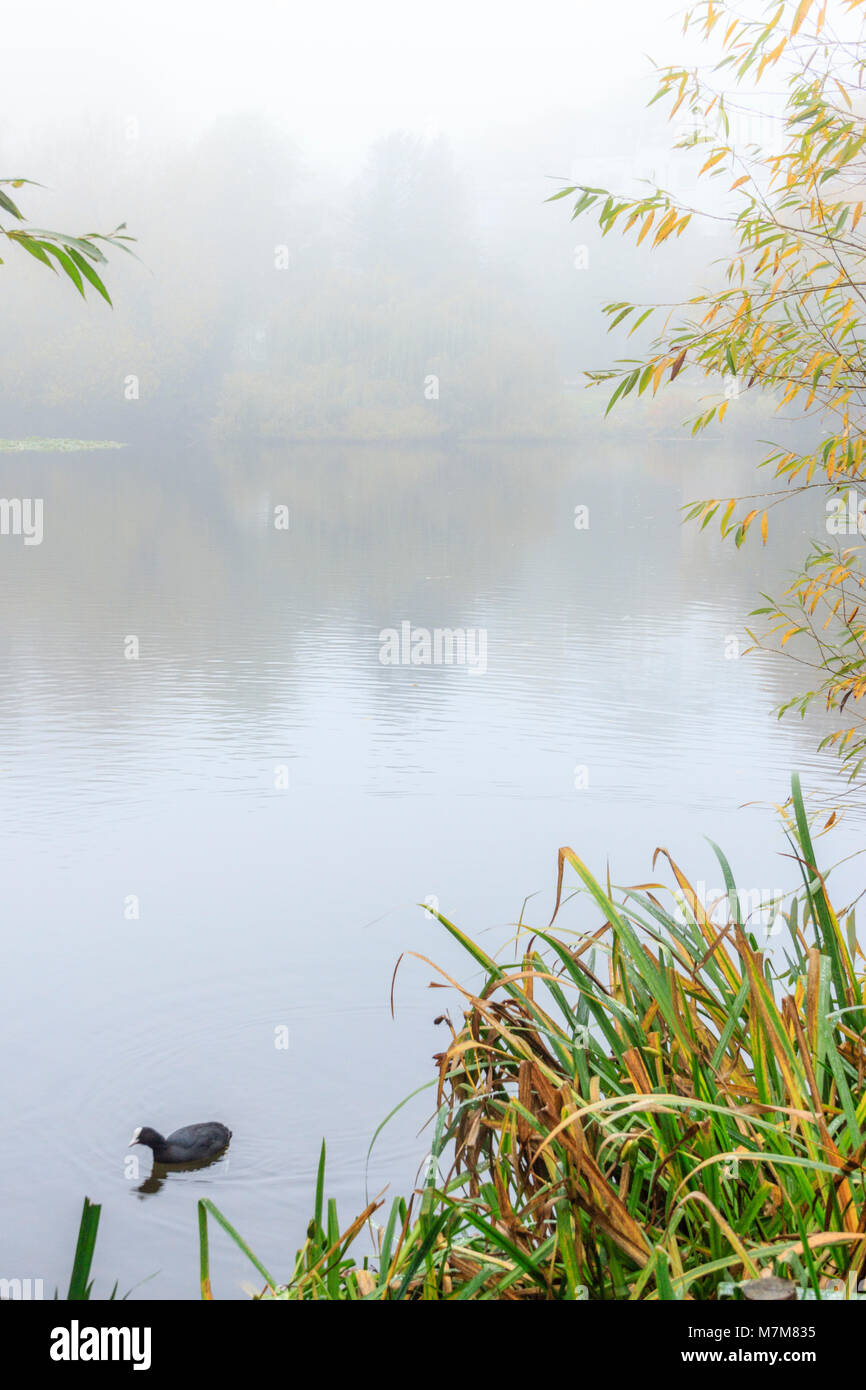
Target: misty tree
(787, 319)
(76, 256)
(411, 216)
(274, 313)
(396, 295)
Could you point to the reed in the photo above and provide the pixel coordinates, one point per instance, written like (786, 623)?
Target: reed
(650, 1107)
(80, 1283)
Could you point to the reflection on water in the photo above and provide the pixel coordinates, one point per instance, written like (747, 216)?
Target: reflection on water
(161, 1173)
(214, 854)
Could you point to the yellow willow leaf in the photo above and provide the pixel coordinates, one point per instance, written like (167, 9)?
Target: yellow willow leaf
(738, 182)
(845, 97)
(772, 57)
(790, 633)
(646, 226)
(730, 30)
(821, 17)
(839, 364)
(858, 213)
(665, 228)
(659, 373)
(713, 159)
(845, 314)
(813, 362)
(765, 526)
(747, 521)
(722, 408)
(802, 10)
(728, 509)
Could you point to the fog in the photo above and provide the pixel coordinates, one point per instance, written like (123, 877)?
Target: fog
(352, 311)
(330, 208)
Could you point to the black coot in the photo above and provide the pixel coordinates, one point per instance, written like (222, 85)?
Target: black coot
(187, 1145)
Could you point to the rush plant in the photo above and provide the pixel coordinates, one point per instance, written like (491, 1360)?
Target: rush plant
(651, 1105)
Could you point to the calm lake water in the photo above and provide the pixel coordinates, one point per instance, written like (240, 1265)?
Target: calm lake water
(279, 801)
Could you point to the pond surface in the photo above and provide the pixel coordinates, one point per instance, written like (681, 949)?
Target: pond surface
(273, 801)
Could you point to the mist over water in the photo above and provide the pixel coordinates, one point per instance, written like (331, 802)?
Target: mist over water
(346, 378)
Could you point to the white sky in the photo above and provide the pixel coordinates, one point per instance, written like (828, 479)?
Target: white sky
(336, 74)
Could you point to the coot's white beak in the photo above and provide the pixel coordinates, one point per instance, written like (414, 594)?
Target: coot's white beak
(135, 1139)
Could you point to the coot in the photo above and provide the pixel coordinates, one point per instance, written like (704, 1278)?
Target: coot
(187, 1145)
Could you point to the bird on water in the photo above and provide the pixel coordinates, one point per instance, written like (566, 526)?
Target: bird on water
(186, 1145)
